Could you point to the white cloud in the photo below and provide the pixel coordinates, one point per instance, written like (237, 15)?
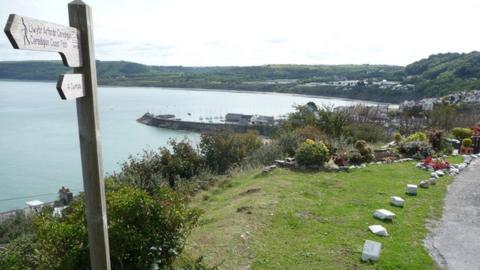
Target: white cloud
(253, 32)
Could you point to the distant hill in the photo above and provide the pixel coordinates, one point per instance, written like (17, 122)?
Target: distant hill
(443, 74)
(437, 75)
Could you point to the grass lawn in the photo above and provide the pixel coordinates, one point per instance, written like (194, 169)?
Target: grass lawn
(300, 220)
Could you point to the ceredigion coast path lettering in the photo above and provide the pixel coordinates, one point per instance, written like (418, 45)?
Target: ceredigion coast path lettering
(76, 47)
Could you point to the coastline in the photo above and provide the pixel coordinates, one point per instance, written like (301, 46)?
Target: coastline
(222, 90)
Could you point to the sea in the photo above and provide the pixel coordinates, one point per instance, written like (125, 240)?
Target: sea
(39, 146)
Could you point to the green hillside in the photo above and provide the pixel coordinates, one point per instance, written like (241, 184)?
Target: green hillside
(437, 75)
(299, 220)
(442, 74)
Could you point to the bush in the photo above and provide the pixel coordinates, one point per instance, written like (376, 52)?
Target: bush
(143, 171)
(265, 155)
(467, 142)
(366, 131)
(462, 133)
(289, 141)
(364, 150)
(21, 253)
(222, 149)
(184, 163)
(417, 136)
(310, 132)
(143, 228)
(354, 157)
(416, 149)
(397, 137)
(311, 153)
(151, 168)
(14, 227)
(435, 137)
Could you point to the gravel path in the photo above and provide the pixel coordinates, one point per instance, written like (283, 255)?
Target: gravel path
(454, 243)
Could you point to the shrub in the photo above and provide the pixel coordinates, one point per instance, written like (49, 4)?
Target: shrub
(435, 137)
(288, 142)
(151, 168)
(143, 228)
(397, 137)
(184, 162)
(143, 171)
(310, 132)
(222, 149)
(364, 150)
(311, 153)
(462, 133)
(21, 253)
(416, 149)
(417, 136)
(367, 131)
(265, 155)
(14, 227)
(467, 142)
(354, 157)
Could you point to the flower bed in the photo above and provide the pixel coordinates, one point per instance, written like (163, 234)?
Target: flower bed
(436, 164)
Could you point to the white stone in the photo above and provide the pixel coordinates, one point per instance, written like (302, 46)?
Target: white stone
(423, 184)
(412, 189)
(432, 181)
(440, 173)
(467, 159)
(378, 230)
(371, 251)
(397, 201)
(383, 214)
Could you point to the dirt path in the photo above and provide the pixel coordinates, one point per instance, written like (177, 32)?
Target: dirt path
(455, 241)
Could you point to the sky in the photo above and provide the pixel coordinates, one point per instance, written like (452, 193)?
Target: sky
(257, 32)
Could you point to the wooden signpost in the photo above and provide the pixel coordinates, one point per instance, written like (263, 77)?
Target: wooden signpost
(75, 45)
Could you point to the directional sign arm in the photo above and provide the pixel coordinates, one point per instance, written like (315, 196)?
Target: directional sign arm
(70, 86)
(30, 34)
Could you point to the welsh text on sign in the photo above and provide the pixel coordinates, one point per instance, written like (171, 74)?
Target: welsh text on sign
(31, 34)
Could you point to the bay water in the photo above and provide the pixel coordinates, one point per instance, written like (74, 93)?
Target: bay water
(39, 147)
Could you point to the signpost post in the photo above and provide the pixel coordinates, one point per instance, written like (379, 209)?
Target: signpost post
(76, 47)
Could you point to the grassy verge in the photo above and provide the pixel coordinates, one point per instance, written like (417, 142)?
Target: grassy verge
(298, 220)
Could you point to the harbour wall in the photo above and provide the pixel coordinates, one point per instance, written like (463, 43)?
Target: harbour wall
(151, 120)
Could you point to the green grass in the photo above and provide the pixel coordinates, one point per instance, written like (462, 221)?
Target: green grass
(302, 220)
(455, 159)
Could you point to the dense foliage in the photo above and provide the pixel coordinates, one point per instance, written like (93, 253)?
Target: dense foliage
(223, 149)
(15, 226)
(144, 228)
(152, 168)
